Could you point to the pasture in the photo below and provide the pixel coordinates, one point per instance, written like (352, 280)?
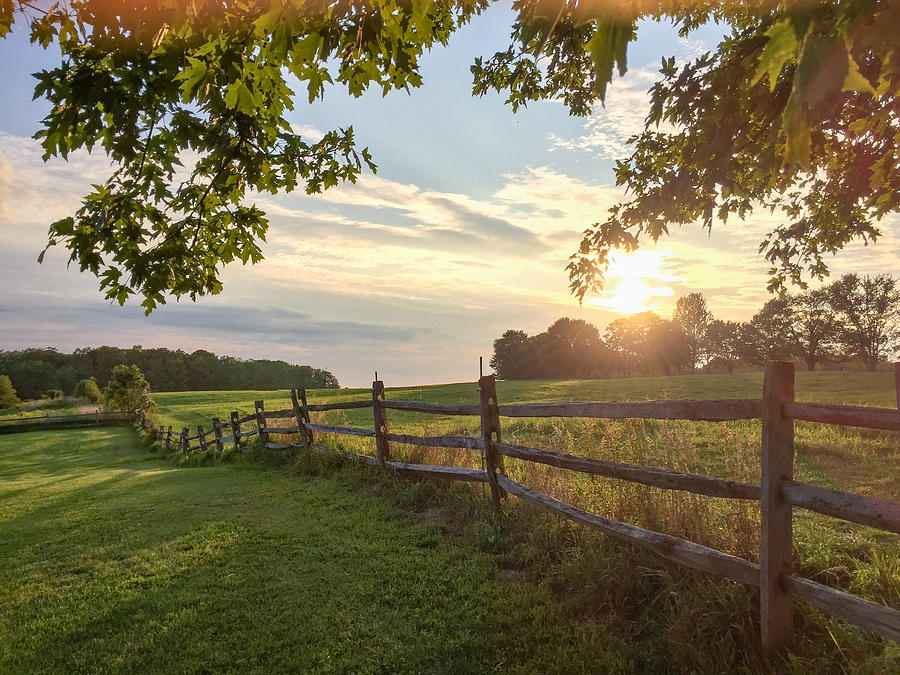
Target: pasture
(856, 559)
(271, 560)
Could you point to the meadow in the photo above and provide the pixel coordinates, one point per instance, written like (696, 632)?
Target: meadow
(267, 560)
(598, 577)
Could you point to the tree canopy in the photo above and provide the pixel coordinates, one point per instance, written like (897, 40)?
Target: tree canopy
(32, 371)
(128, 390)
(795, 111)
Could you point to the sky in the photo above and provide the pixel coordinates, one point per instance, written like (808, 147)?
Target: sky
(463, 233)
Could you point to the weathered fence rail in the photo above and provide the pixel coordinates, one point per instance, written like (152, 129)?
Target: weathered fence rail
(778, 492)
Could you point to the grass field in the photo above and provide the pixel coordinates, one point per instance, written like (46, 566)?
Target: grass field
(68, 405)
(115, 561)
(857, 559)
(859, 461)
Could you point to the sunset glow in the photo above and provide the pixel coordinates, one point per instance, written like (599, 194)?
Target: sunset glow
(634, 282)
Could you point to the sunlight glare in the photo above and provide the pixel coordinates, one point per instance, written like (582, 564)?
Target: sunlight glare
(632, 282)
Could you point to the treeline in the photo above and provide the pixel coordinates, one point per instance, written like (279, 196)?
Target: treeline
(854, 320)
(35, 371)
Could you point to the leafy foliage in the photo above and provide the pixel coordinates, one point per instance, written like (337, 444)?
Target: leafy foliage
(768, 336)
(722, 344)
(88, 389)
(796, 111)
(189, 101)
(816, 330)
(869, 313)
(694, 318)
(855, 319)
(568, 348)
(8, 396)
(128, 390)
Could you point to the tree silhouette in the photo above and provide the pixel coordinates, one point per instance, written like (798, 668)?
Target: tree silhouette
(868, 309)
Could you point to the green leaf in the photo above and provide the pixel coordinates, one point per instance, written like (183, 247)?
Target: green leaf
(780, 50)
(240, 97)
(855, 80)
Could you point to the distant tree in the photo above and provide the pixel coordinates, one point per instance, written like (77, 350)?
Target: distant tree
(668, 348)
(868, 309)
(723, 344)
(636, 341)
(8, 396)
(34, 370)
(694, 318)
(573, 348)
(128, 390)
(509, 358)
(769, 334)
(815, 328)
(88, 389)
(52, 394)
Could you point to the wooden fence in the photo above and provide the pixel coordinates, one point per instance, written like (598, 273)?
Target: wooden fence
(778, 492)
(13, 425)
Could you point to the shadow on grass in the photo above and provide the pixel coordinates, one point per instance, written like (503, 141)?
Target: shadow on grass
(128, 564)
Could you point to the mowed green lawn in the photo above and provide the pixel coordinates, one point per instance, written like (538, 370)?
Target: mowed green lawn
(112, 560)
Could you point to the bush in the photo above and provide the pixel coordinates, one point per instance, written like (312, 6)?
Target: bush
(88, 389)
(128, 390)
(8, 396)
(52, 394)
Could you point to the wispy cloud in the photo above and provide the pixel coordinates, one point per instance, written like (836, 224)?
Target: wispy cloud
(610, 125)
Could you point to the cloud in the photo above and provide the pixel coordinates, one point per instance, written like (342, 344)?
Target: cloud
(611, 124)
(384, 274)
(308, 132)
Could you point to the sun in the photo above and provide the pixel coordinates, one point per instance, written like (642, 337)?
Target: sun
(633, 282)
(631, 295)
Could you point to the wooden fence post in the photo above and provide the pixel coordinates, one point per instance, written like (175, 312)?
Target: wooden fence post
(169, 438)
(301, 414)
(490, 433)
(160, 435)
(185, 443)
(217, 430)
(776, 610)
(382, 447)
(236, 429)
(261, 421)
(201, 438)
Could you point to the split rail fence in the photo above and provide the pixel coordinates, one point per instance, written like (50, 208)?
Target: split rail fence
(778, 492)
(12, 425)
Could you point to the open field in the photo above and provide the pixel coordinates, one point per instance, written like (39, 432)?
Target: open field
(113, 560)
(860, 560)
(120, 560)
(68, 405)
(867, 462)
